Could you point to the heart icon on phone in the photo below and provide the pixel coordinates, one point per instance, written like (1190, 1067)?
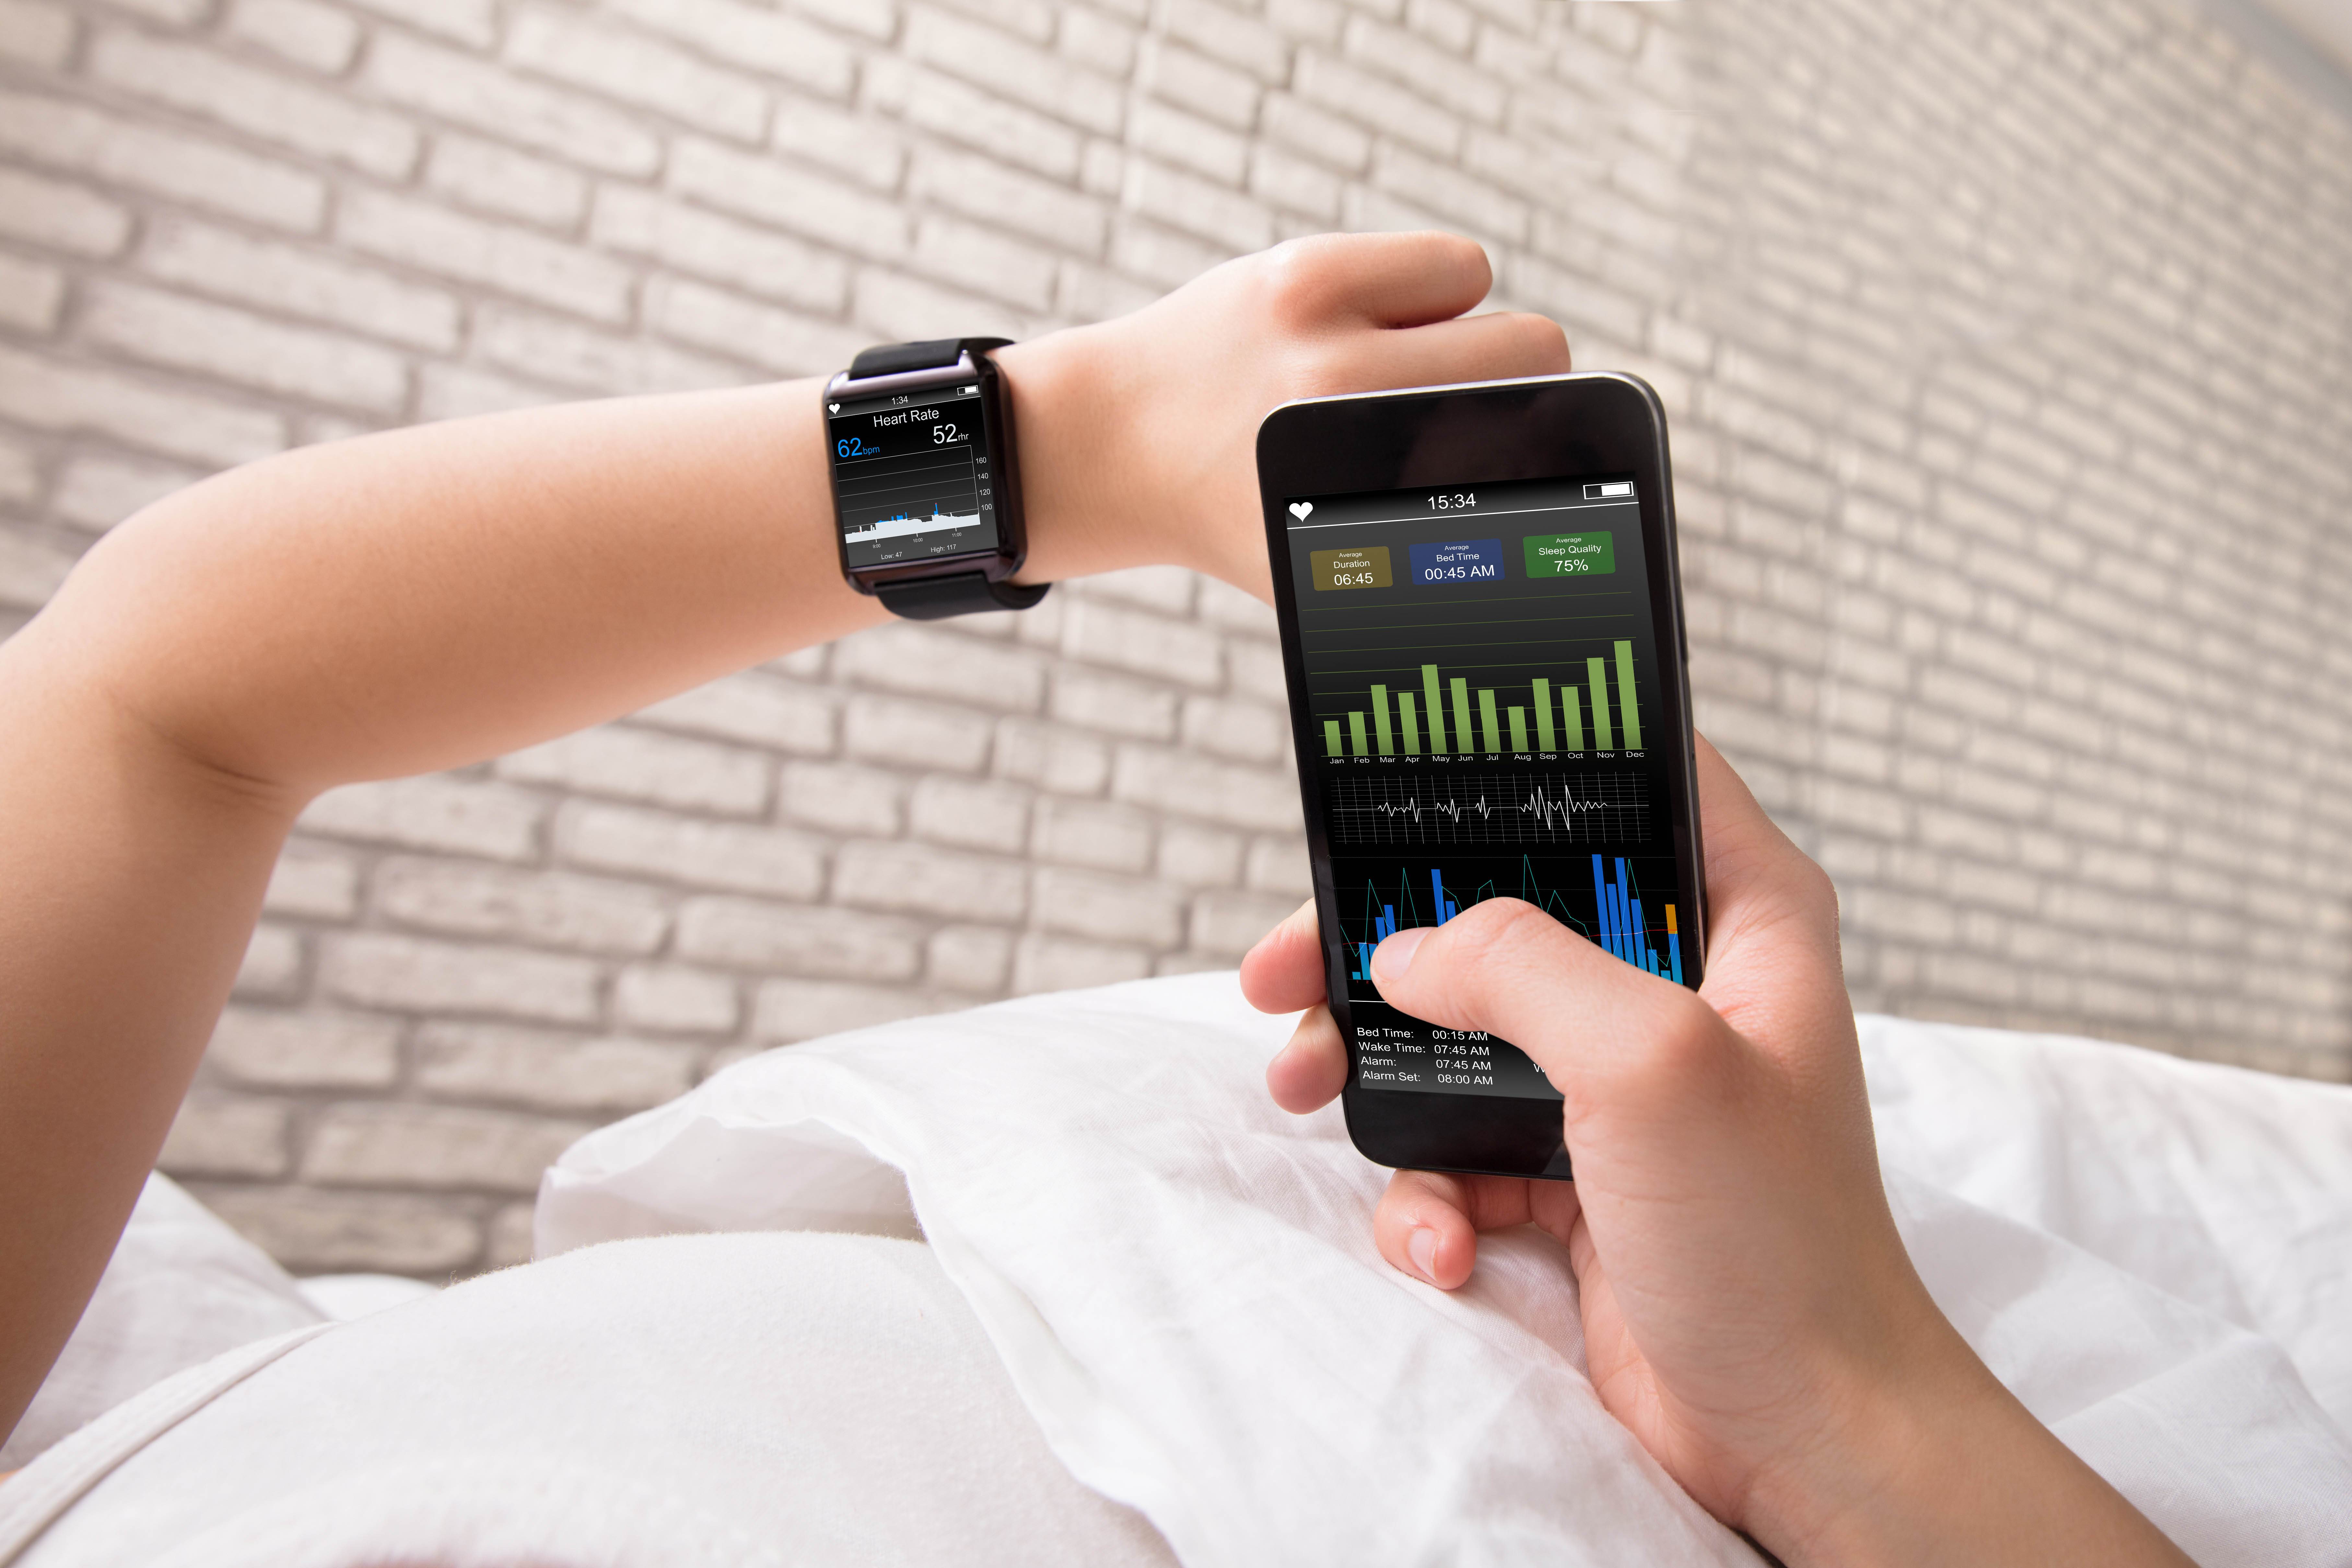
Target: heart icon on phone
(832, 407)
(1299, 509)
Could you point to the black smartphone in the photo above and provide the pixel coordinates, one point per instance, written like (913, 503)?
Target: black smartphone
(1482, 626)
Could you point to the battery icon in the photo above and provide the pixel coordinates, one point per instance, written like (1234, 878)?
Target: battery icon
(1613, 489)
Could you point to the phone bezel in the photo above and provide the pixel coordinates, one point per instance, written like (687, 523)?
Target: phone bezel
(1480, 432)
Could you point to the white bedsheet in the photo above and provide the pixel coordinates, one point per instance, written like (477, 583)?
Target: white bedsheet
(1180, 1278)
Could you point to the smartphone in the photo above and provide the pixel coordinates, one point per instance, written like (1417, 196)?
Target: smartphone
(1482, 627)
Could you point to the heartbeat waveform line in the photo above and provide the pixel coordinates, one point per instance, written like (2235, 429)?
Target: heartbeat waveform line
(1506, 809)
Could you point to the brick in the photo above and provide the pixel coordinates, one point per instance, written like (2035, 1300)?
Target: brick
(490, 820)
(1188, 786)
(915, 734)
(674, 999)
(307, 882)
(1094, 834)
(30, 571)
(20, 473)
(1228, 218)
(635, 765)
(751, 37)
(972, 958)
(468, 21)
(1228, 36)
(318, 36)
(984, 261)
(757, 186)
(485, 97)
(998, 63)
(36, 34)
(551, 910)
(435, 1146)
(1143, 644)
(735, 857)
(1324, 137)
(986, 190)
(174, 164)
(805, 1009)
(296, 115)
(499, 1064)
(848, 799)
(706, 245)
(304, 1050)
(1248, 731)
(60, 216)
(1098, 42)
(1170, 135)
(299, 281)
(874, 19)
(915, 879)
(498, 180)
(181, 333)
(927, 660)
(1198, 856)
(1444, 189)
(1093, 701)
(324, 1232)
(380, 970)
(1282, 181)
(784, 341)
(634, 68)
(1117, 909)
(551, 348)
(272, 965)
(32, 296)
(1063, 761)
(1006, 133)
(1228, 924)
(894, 306)
(741, 933)
(1367, 100)
(1279, 865)
(225, 1135)
(1171, 72)
(1042, 962)
(972, 814)
(435, 240)
(868, 150)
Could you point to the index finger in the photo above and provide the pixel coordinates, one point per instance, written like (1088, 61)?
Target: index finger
(1387, 279)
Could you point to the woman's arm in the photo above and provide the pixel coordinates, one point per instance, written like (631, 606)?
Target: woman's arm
(430, 597)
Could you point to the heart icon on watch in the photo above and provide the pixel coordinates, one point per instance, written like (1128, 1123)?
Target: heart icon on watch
(1299, 509)
(832, 407)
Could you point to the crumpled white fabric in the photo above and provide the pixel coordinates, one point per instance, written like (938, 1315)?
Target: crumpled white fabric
(1181, 1278)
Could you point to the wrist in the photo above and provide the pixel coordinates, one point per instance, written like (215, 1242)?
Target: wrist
(1925, 1458)
(1071, 417)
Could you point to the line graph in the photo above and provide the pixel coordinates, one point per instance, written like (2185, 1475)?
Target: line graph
(918, 492)
(1369, 808)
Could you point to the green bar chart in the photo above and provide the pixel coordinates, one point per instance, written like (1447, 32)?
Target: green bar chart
(1451, 716)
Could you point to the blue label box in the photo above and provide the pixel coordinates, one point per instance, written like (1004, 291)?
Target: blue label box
(1458, 560)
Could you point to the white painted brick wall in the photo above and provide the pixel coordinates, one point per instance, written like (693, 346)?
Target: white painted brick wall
(2010, 420)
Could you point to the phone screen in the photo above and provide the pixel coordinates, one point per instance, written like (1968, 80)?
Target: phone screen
(1484, 679)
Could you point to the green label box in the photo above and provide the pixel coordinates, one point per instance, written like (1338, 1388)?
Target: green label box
(1571, 554)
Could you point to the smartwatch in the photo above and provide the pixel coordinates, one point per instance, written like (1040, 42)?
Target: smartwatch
(926, 491)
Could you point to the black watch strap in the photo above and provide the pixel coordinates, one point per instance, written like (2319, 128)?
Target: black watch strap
(936, 598)
(893, 359)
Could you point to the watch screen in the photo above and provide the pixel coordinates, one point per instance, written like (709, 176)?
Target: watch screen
(1482, 673)
(911, 476)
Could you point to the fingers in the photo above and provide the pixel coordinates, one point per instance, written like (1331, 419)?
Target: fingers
(1428, 1223)
(1285, 971)
(1496, 346)
(1387, 279)
(1308, 1072)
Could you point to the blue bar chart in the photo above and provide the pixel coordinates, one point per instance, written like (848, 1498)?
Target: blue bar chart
(1642, 932)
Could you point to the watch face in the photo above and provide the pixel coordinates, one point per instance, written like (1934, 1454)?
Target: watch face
(911, 475)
